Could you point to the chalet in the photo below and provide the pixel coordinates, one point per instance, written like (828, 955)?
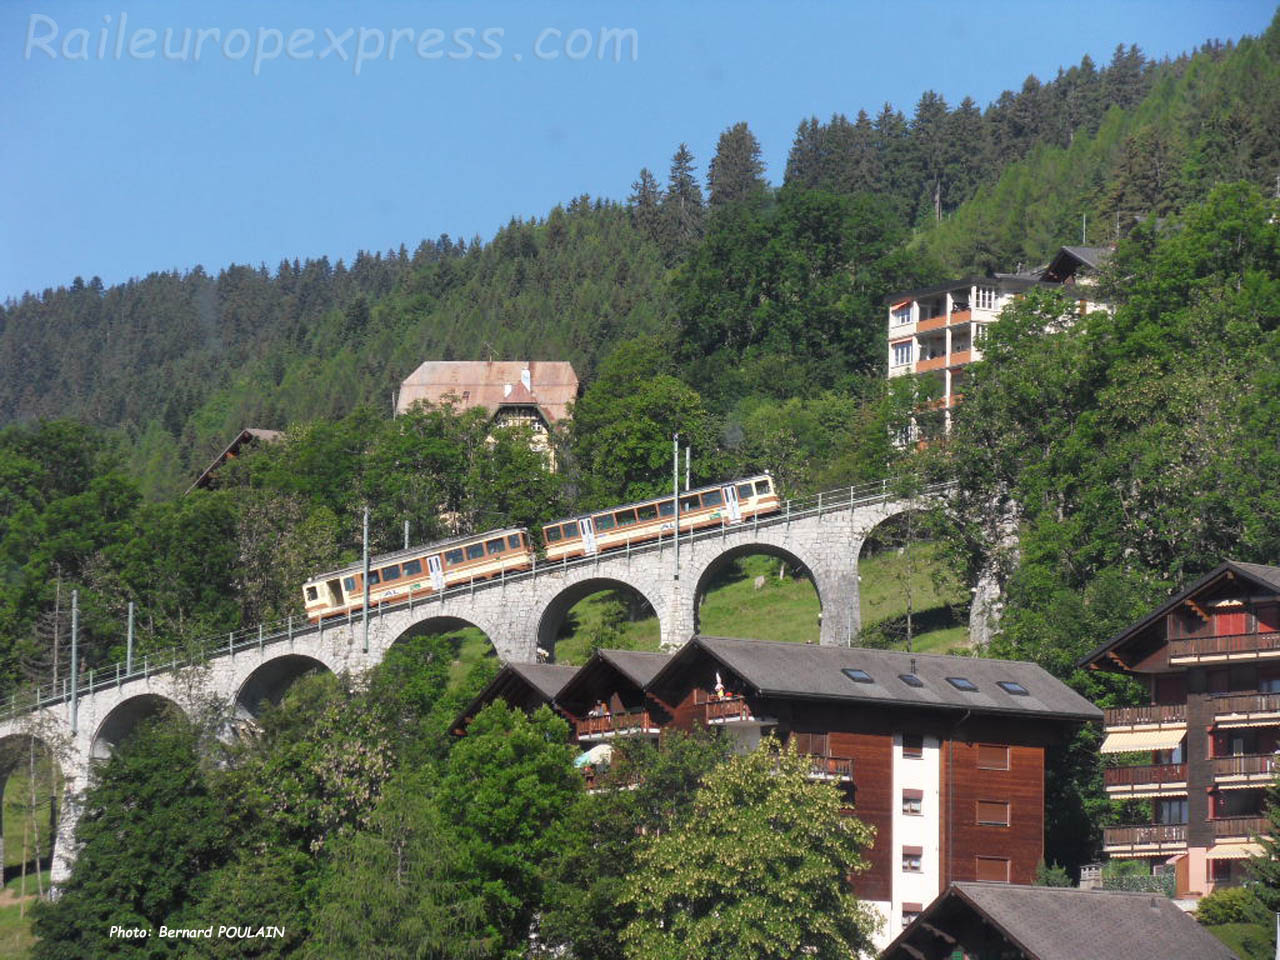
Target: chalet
(979, 920)
(245, 439)
(526, 686)
(938, 330)
(944, 756)
(533, 394)
(1205, 741)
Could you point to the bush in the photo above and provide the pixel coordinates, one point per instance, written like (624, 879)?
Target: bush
(1231, 905)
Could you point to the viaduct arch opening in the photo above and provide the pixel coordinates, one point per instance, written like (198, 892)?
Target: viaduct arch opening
(757, 590)
(468, 640)
(124, 719)
(31, 785)
(593, 611)
(268, 684)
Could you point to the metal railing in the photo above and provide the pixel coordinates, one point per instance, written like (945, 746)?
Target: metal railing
(1223, 645)
(1147, 713)
(1146, 774)
(291, 629)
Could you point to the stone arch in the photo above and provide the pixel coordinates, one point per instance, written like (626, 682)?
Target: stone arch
(268, 682)
(552, 616)
(446, 623)
(708, 571)
(124, 719)
(16, 754)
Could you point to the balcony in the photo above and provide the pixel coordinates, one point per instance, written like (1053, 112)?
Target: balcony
(1145, 839)
(1253, 769)
(933, 323)
(933, 363)
(1246, 709)
(732, 710)
(835, 769)
(1149, 780)
(1237, 647)
(959, 358)
(1240, 828)
(631, 723)
(1118, 719)
(961, 316)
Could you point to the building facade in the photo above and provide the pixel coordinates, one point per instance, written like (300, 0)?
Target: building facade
(937, 331)
(944, 756)
(1202, 750)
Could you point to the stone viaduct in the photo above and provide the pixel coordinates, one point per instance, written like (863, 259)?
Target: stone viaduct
(821, 535)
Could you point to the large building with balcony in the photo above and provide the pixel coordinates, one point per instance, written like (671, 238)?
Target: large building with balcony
(1202, 751)
(944, 756)
(937, 331)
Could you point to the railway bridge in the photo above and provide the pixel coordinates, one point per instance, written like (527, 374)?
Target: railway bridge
(520, 613)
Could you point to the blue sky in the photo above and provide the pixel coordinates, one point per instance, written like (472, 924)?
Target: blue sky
(119, 166)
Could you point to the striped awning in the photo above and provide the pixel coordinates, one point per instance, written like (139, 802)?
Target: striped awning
(1164, 739)
(1234, 851)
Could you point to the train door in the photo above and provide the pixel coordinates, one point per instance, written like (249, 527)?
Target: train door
(731, 504)
(335, 592)
(436, 570)
(588, 529)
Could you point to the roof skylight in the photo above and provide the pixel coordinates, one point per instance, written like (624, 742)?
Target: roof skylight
(856, 675)
(963, 683)
(1011, 687)
(911, 680)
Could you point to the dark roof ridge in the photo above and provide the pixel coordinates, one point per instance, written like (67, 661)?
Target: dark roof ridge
(905, 653)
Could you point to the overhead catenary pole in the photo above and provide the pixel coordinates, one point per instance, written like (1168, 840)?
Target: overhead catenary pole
(365, 612)
(406, 534)
(75, 657)
(688, 456)
(128, 643)
(675, 496)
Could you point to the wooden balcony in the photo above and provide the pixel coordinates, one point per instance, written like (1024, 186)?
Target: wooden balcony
(839, 769)
(1251, 768)
(1237, 647)
(1148, 780)
(1240, 827)
(1246, 709)
(733, 709)
(1147, 838)
(1155, 715)
(631, 723)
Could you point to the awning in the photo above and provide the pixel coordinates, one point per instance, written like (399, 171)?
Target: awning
(1234, 851)
(899, 306)
(1164, 739)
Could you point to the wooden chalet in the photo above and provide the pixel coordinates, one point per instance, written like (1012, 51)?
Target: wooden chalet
(527, 686)
(1202, 750)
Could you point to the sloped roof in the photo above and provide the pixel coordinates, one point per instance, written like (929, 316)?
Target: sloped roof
(547, 678)
(1267, 576)
(491, 384)
(807, 671)
(602, 669)
(1064, 923)
(523, 682)
(232, 449)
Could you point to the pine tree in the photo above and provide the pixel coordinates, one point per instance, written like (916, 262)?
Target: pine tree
(737, 172)
(683, 213)
(1265, 867)
(646, 204)
(804, 162)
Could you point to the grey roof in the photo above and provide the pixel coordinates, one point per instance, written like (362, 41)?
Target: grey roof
(1006, 280)
(814, 672)
(1065, 923)
(548, 678)
(1090, 256)
(637, 666)
(1261, 573)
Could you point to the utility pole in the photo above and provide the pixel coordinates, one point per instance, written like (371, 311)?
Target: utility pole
(365, 612)
(675, 495)
(75, 657)
(688, 454)
(128, 643)
(406, 534)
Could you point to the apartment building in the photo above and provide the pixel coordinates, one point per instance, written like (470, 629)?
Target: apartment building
(1202, 750)
(944, 756)
(937, 331)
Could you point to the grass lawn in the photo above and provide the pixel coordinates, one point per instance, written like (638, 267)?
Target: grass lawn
(15, 917)
(1249, 941)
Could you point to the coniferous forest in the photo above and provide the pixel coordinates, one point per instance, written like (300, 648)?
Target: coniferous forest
(1132, 450)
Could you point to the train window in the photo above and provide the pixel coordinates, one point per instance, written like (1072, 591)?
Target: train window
(712, 498)
(688, 504)
(744, 491)
(667, 507)
(513, 541)
(648, 512)
(553, 534)
(475, 551)
(349, 584)
(625, 518)
(373, 577)
(312, 594)
(391, 573)
(413, 568)
(495, 546)
(453, 557)
(604, 521)
(762, 487)
(571, 531)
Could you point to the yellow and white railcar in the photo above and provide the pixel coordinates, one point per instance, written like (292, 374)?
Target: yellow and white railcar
(418, 572)
(615, 528)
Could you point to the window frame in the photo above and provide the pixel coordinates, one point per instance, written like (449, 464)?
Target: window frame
(978, 811)
(913, 752)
